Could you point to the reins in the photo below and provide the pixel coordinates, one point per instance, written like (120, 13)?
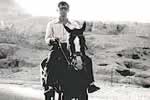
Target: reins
(68, 62)
(59, 44)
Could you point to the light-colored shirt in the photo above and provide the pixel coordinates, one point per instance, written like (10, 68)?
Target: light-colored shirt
(55, 29)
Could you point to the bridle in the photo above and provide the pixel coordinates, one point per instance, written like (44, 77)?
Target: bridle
(82, 43)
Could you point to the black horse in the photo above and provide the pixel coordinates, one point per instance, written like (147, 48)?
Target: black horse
(70, 76)
(76, 79)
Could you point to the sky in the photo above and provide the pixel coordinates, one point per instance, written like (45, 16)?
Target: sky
(93, 10)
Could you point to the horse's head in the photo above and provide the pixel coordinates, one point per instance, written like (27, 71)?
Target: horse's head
(76, 31)
(77, 40)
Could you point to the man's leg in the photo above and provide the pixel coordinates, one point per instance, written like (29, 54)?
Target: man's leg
(55, 70)
(90, 71)
(90, 76)
(48, 76)
(49, 68)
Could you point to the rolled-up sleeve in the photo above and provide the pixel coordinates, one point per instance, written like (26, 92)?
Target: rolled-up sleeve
(49, 33)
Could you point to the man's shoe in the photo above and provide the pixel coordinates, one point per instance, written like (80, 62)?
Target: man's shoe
(92, 88)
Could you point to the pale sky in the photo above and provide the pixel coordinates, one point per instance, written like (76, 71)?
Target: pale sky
(102, 10)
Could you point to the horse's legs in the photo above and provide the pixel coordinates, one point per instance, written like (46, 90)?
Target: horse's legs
(76, 99)
(60, 96)
(47, 97)
(66, 97)
(50, 95)
(83, 96)
(54, 96)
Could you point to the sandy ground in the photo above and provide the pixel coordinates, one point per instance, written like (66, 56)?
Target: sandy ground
(30, 90)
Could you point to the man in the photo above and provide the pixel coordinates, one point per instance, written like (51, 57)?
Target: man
(55, 31)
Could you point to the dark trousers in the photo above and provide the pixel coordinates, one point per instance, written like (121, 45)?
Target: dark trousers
(89, 68)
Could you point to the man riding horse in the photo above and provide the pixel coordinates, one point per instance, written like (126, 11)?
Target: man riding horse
(57, 32)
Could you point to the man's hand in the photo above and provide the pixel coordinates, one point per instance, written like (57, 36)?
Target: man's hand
(54, 41)
(57, 39)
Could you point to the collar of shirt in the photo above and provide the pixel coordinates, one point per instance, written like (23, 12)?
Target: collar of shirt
(58, 21)
(70, 22)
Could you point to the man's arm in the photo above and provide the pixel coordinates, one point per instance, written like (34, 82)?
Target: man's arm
(49, 36)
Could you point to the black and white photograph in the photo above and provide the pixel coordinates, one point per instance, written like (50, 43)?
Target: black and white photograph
(74, 50)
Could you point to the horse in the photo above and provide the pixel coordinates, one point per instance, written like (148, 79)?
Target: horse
(72, 77)
(75, 81)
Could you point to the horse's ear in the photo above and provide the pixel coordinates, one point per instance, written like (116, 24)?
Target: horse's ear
(84, 26)
(67, 28)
